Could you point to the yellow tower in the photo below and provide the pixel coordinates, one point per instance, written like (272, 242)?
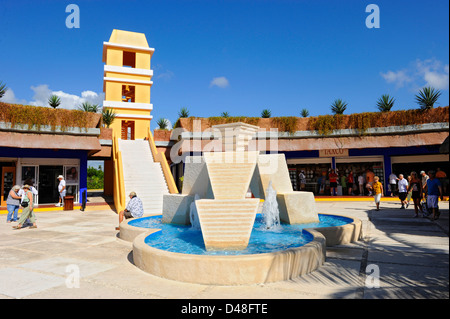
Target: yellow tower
(127, 81)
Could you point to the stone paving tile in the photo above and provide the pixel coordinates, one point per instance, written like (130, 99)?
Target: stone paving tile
(63, 266)
(19, 283)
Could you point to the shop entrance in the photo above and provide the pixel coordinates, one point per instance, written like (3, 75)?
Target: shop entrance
(127, 132)
(48, 184)
(8, 177)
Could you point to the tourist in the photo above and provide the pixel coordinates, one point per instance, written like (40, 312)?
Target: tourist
(27, 211)
(424, 182)
(361, 181)
(333, 182)
(343, 183)
(440, 174)
(416, 187)
(402, 190)
(61, 190)
(377, 189)
(134, 209)
(13, 204)
(302, 179)
(33, 190)
(393, 183)
(408, 197)
(370, 179)
(434, 191)
(350, 181)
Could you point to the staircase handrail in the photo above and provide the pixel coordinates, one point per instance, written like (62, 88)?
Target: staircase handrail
(119, 188)
(160, 157)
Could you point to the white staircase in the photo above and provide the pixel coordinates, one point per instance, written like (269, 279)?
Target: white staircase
(142, 175)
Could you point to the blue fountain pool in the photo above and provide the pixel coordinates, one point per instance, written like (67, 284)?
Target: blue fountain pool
(186, 240)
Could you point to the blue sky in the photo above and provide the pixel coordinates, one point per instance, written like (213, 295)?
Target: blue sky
(235, 56)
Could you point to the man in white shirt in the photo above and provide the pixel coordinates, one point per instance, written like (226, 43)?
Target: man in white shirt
(402, 190)
(61, 190)
(393, 183)
(134, 209)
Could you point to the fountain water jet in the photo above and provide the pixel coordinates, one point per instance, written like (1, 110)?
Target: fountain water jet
(193, 216)
(270, 210)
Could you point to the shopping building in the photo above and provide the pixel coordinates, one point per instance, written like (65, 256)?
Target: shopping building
(397, 141)
(44, 143)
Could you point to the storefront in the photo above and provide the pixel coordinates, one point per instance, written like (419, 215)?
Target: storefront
(317, 165)
(42, 173)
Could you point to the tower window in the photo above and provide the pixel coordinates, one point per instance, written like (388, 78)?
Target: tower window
(128, 93)
(129, 59)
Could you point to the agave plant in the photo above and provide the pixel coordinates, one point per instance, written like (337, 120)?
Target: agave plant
(88, 107)
(225, 114)
(184, 112)
(427, 97)
(54, 101)
(338, 106)
(385, 103)
(3, 89)
(304, 113)
(108, 116)
(265, 114)
(162, 123)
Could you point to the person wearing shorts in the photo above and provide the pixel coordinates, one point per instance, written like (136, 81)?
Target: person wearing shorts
(333, 182)
(434, 191)
(134, 209)
(402, 190)
(377, 189)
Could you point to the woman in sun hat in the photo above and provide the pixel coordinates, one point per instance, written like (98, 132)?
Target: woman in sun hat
(27, 211)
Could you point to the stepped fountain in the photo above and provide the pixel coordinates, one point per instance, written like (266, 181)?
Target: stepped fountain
(212, 233)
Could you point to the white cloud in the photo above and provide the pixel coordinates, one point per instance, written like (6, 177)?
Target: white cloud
(221, 82)
(430, 72)
(400, 78)
(68, 101)
(434, 73)
(10, 97)
(166, 75)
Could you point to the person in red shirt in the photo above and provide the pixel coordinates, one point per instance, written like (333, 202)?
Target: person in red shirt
(350, 181)
(333, 182)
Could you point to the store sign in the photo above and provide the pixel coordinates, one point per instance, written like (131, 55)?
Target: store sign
(334, 152)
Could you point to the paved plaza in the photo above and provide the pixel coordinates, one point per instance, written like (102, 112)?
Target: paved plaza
(411, 256)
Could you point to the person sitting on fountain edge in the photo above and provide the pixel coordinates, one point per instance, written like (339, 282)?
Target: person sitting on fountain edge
(134, 209)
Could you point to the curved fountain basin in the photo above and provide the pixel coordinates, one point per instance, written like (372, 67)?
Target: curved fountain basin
(236, 268)
(185, 239)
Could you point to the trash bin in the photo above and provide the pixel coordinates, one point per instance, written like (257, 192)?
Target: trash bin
(68, 203)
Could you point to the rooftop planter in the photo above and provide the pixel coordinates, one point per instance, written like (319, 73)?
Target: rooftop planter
(326, 124)
(45, 119)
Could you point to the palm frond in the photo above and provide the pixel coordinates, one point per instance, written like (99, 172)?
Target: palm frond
(304, 113)
(266, 113)
(338, 106)
(3, 89)
(108, 116)
(385, 103)
(162, 123)
(427, 97)
(54, 101)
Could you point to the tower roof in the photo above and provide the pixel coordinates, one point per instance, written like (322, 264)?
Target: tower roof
(128, 38)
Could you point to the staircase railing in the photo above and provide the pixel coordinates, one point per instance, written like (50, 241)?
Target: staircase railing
(119, 185)
(160, 157)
